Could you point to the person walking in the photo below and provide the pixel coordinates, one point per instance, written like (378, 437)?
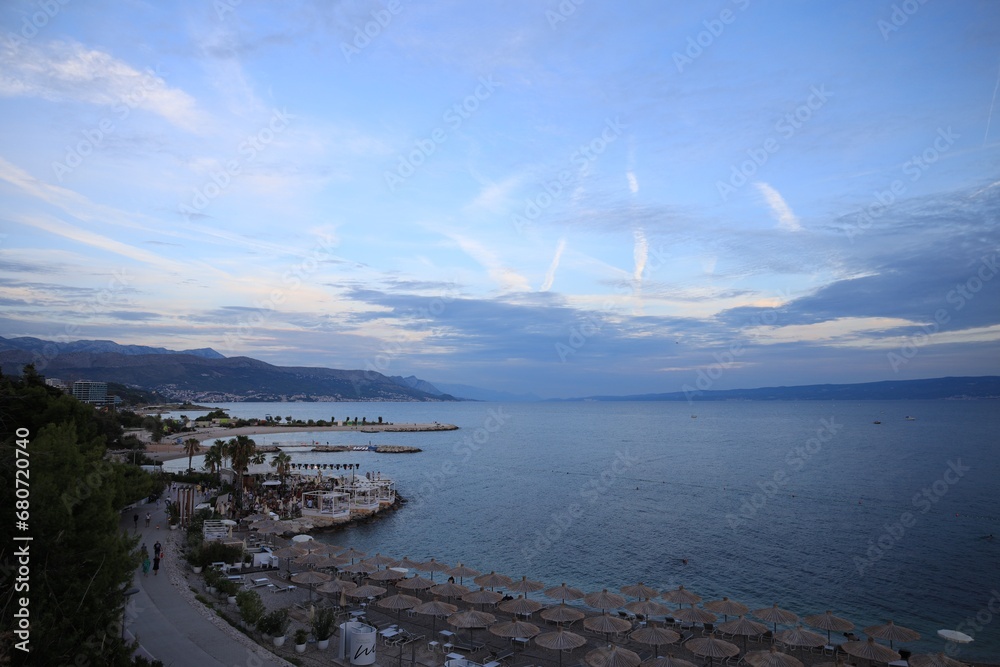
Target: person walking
(145, 565)
(157, 548)
(135, 520)
(148, 517)
(156, 565)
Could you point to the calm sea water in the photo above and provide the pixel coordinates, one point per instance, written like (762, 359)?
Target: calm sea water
(809, 505)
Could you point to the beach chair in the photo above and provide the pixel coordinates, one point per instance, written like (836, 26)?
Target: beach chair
(281, 589)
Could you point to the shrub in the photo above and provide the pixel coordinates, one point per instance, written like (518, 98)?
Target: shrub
(273, 623)
(251, 607)
(322, 624)
(301, 636)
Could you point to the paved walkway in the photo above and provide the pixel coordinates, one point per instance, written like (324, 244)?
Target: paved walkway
(169, 624)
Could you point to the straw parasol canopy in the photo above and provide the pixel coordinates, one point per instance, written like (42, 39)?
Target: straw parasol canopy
(388, 574)
(775, 614)
(870, 650)
(310, 577)
(435, 608)
(612, 656)
(892, 632)
(431, 566)
(410, 564)
(827, 621)
(772, 658)
(726, 607)
(693, 614)
(654, 636)
(562, 614)
(512, 629)
(482, 596)
(310, 559)
(604, 600)
(934, 660)
(647, 607)
(291, 551)
(560, 640)
(449, 590)
(398, 602)
(416, 583)
(639, 590)
(681, 595)
(711, 647)
(666, 661)
(799, 636)
(743, 626)
(336, 586)
(520, 605)
(564, 592)
(606, 624)
(461, 571)
(525, 585)
(470, 618)
(378, 560)
(330, 561)
(361, 567)
(353, 553)
(493, 580)
(366, 591)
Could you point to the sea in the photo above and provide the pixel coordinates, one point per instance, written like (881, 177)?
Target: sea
(875, 510)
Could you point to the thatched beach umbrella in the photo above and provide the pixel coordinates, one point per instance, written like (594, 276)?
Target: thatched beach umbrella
(449, 590)
(388, 574)
(514, 630)
(410, 564)
(416, 583)
(934, 660)
(353, 553)
(435, 608)
(366, 591)
(711, 647)
(399, 602)
(336, 586)
(520, 606)
(525, 585)
(726, 607)
(612, 656)
(461, 571)
(604, 600)
(775, 614)
(772, 658)
(870, 650)
(564, 592)
(431, 566)
(378, 560)
(654, 636)
(694, 614)
(799, 636)
(666, 661)
(827, 621)
(681, 595)
(493, 580)
(310, 577)
(310, 559)
(482, 597)
(471, 619)
(648, 608)
(606, 624)
(892, 632)
(560, 640)
(639, 590)
(743, 626)
(561, 613)
(360, 567)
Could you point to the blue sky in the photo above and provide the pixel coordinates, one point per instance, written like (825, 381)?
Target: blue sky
(566, 198)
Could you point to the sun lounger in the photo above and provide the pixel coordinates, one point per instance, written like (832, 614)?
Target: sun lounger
(255, 583)
(281, 589)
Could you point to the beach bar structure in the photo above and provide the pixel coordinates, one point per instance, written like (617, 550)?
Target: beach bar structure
(329, 504)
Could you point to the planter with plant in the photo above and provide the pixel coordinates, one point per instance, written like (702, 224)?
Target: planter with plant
(322, 627)
(212, 578)
(229, 589)
(301, 637)
(251, 607)
(274, 624)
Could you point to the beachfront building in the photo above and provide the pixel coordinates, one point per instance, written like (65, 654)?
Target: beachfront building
(329, 504)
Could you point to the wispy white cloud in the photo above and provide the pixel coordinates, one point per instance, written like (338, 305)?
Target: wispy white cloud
(550, 276)
(68, 71)
(504, 276)
(633, 182)
(779, 208)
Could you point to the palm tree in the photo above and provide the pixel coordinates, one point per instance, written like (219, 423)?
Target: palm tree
(191, 447)
(243, 452)
(214, 458)
(280, 462)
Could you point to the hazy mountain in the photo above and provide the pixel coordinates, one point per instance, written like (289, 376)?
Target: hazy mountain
(935, 388)
(413, 382)
(46, 347)
(480, 394)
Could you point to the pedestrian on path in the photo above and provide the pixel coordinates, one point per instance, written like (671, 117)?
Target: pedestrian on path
(156, 565)
(147, 519)
(135, 520)
(157, 548)
(145, 565)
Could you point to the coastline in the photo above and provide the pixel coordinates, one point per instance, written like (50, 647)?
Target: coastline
(167, 451)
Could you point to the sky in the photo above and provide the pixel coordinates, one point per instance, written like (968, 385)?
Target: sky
(565, 198)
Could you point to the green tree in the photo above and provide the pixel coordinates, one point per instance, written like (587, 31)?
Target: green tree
(154, 425)
(191, 447)
(82, 561)
(214, 458)
(242, 451)
(280, 463)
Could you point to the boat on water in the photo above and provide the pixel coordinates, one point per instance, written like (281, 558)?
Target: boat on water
(910, 419)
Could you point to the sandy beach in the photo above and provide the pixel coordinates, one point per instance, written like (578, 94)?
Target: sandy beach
(168, 450)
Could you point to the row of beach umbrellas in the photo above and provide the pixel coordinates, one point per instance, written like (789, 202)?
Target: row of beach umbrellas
(380, 569)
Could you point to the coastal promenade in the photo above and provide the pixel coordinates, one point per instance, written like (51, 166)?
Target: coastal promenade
(168, 623)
